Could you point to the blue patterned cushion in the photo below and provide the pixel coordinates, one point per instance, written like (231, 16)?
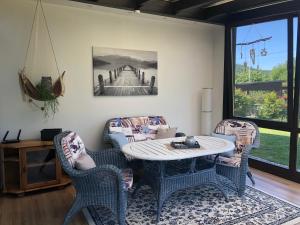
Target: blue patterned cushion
(118, 139)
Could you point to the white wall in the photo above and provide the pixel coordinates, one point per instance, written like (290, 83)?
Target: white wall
(190, 57)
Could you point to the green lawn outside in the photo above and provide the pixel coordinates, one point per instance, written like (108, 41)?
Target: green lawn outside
(274, 146)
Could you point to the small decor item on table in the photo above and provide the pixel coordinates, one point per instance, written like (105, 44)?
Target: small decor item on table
(190, 142)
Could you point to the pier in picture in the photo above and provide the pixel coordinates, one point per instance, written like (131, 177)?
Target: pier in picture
(122, 72)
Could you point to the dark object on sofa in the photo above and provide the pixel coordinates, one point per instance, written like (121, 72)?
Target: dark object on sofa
(180, 134)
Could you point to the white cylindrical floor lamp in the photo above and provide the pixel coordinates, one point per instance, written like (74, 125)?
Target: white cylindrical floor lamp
(206, 111)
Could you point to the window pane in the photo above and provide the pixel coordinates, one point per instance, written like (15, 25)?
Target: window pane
(295, 33)
(295, 28)
(298, 154)
(294, 53)
(274, 146)
(260, 76)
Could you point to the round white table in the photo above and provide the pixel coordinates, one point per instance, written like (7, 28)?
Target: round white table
(160, 149)
(165, 178)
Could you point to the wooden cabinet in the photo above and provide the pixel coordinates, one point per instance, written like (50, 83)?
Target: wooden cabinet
(30, 165)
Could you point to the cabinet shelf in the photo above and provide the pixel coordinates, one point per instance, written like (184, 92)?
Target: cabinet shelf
(11, 159)
(40, 164)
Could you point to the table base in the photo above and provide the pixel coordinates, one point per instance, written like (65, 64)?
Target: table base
(163, 185)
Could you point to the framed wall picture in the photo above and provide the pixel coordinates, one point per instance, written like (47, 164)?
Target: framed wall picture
(122, 72)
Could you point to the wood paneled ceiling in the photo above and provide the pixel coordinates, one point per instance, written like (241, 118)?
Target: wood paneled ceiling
(213, 11)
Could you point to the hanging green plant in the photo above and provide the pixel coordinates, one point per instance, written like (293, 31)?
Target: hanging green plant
(43, 92)
(50, 101)
(44, 95)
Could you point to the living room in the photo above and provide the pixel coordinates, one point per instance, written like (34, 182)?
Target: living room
(191, 86)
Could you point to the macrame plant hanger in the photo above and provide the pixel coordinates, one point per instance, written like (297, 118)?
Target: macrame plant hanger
(44, 92)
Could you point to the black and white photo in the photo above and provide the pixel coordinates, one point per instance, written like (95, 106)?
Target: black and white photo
(122, 72)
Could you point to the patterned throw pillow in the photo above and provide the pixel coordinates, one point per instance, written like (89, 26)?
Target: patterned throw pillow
(166, 133)
(138, 128)
(73, 147)
(244, 131)
(118, 139)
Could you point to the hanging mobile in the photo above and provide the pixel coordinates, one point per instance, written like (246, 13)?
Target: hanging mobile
(245, 62)
(241, 51)
(264, 51)
(252, 55)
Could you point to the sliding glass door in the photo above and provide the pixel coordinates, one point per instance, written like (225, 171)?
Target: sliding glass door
(262, 79)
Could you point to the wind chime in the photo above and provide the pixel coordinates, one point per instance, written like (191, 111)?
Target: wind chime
(43, 95)
(252, 50)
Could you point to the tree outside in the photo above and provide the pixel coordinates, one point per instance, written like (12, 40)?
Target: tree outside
(267, 105)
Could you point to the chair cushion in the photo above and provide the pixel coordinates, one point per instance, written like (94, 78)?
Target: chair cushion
(166, 133)
(138, 128)
(73, 147)
(234, 161)
(84, 162)
(231, 138)
(244, 131)
(128, 178)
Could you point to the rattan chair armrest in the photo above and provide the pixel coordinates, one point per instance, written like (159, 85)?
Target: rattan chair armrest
(98, 180)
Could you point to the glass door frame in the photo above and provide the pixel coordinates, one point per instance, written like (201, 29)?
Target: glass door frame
(291, 125)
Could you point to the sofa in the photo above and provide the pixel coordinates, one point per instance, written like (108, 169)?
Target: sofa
(138, 128)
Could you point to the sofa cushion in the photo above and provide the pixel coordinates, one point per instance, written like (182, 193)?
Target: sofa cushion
(73, 147)
(166, 133)
(118, 139)
(234, 161)
(138, 128)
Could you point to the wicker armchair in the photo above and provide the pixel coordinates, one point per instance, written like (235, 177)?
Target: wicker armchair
(103, 185)
(236, 167)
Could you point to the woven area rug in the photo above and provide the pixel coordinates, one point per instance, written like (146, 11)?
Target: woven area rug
(203, 206)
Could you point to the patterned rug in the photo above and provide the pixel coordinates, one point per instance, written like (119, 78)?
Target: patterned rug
(202, 206)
